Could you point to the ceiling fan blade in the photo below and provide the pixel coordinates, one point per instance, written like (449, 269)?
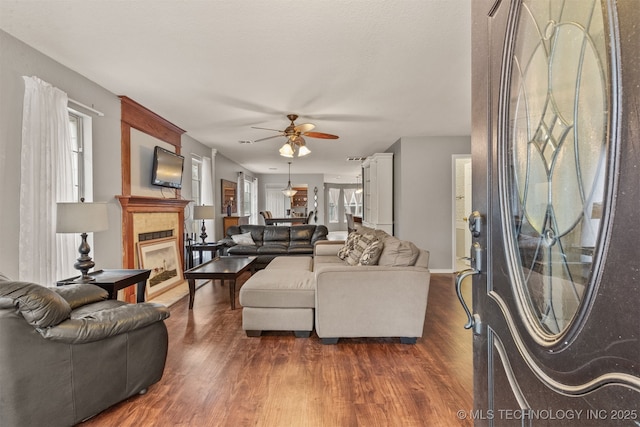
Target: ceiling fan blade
(256, 127)
(269, 137)
(305, 127)
(320, 135)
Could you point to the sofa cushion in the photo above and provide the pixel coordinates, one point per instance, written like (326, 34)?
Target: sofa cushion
(398, 253)
(40, 306)
(304, 263)
(275, 234)
(79, 294)
(243, 250)
(257, 232)
(273, 248)
(243, 239)
(349, 244)
(300, 235)
(279, 289)
(361, 244)
(371, 253)
(300, 249)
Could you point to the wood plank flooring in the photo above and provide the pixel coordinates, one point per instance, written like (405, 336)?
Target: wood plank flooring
(217, 376)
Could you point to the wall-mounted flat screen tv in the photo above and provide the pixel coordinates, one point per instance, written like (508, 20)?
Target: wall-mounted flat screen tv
(167, 168)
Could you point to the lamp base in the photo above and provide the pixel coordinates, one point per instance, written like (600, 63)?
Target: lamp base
(84, 263)
(203, 235)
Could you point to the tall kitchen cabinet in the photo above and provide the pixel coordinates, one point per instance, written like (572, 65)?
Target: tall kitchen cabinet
(377, 179)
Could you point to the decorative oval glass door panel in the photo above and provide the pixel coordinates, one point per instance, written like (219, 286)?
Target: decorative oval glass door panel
(555, 151)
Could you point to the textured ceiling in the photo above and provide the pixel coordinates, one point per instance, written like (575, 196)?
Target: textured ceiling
(370, 71)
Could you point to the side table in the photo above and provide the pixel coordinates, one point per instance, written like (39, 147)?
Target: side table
(200, 247)
(114, 280)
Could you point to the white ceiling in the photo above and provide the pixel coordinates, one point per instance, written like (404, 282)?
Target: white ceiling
(370, 71)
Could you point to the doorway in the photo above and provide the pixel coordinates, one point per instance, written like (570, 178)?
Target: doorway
(461, 210)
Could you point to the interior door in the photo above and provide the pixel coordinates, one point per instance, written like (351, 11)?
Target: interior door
(556, 153)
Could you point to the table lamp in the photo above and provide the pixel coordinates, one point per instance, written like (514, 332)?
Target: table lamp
(203, 212)
(82, 218)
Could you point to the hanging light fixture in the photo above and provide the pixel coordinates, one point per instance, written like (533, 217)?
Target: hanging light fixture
(289, 191)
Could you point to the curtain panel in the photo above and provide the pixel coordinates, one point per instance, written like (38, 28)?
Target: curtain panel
(46, 178)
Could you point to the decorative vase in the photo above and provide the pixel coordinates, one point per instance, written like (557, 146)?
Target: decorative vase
(228, 210)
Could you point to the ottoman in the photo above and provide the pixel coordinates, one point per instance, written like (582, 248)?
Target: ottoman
(279, 298)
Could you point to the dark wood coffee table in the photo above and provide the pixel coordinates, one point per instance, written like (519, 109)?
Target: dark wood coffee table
(223, 268)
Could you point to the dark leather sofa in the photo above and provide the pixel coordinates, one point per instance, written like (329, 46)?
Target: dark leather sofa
(273, 240)
(68, 353)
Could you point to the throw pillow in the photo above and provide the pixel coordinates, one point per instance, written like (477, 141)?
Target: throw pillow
(398, 253)
(243, 239)
(371, 253)
(349, 244)
(359, 248)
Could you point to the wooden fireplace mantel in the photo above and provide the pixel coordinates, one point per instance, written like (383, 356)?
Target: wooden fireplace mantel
(142, 204)
(136, 116)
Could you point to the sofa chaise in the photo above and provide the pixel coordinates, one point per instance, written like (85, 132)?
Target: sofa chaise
(342, 296)
(68, 353)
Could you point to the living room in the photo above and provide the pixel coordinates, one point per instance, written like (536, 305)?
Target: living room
(563, 352)
(418, 160)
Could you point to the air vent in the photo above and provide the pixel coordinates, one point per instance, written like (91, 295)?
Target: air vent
(245, 141)
(355, 159)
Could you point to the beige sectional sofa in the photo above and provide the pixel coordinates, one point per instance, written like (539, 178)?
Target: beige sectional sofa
(340, 297)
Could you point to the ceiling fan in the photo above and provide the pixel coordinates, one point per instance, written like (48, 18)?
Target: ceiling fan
(294, 134)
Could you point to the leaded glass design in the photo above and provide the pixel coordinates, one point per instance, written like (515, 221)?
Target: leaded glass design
(553, 185)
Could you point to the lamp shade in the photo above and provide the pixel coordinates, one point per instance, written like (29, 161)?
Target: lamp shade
(81, 217)
(303, 151)
(204, 212)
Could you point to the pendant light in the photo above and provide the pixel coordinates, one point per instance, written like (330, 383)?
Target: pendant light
(289, 191)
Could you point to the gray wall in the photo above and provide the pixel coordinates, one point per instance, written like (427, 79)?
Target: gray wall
(297, 179)
(423, 193)
(20, 60)
(225, 168)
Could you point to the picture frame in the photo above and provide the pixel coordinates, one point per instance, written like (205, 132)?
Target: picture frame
(161, 256)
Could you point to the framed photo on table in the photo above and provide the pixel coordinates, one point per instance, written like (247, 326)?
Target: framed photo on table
(161, 257)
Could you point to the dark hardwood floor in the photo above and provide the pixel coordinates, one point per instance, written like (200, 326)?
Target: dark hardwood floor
(217, 376)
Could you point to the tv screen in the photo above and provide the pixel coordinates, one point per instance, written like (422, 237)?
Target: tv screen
(167, 168)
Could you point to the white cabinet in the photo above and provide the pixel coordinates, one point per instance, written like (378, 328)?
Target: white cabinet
(377, 178)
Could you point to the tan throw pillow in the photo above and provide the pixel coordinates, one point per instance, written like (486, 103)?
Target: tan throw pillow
(371, 253)
(244, 239)
(349, 244)
(398, 253)
(359, 248)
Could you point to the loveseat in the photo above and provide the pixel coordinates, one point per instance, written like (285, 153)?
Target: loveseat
(269, 241)
(344, 291)
(68, 353)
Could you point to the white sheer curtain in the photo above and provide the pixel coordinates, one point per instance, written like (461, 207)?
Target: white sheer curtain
(46, 178)
(206, 194)
(240, 194)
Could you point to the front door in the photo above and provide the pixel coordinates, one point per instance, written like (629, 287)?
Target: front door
(556, 188)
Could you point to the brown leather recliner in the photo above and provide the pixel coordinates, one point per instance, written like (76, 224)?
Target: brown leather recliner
(68, 353)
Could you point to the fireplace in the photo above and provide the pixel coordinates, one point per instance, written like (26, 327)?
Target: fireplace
(141, 215)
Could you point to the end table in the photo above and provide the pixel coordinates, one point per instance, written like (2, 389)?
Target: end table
(114, 280)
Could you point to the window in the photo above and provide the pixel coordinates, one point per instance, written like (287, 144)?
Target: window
(80, 134)
(196, 186)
